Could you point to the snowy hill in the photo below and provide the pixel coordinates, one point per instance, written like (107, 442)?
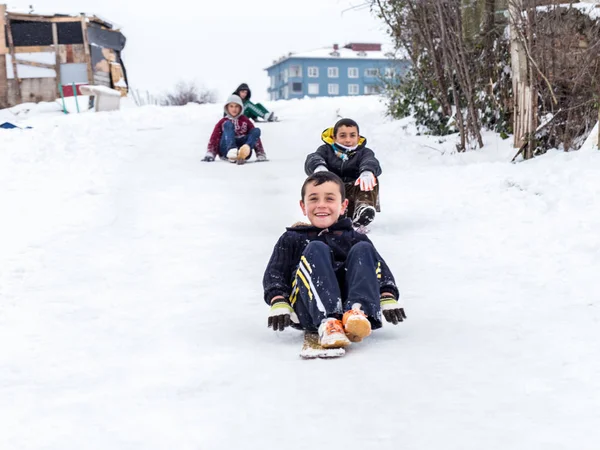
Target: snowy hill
(131, 311)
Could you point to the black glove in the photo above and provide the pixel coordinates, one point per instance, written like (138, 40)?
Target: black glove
(392, 311)
(281, 315)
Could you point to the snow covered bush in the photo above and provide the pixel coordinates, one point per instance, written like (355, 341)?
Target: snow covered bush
(188, 92)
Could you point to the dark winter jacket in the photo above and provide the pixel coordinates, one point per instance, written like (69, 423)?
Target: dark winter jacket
(241, 87)
(340, 237)
(348, 170)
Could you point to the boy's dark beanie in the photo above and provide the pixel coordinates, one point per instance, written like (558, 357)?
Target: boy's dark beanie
(345, 123)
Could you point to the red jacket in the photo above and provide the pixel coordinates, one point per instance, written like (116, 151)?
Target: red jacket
(242, 126)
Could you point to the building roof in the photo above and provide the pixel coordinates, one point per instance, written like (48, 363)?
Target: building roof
(336, 52)
(37, 16)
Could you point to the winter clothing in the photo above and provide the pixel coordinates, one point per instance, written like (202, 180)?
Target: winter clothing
(356, 324)
(323, 272)
(351, 165)
(332, 334)
(233, 98)
(281, 315)
(356, 197)
(366, 181)
(229, 141)
(363, 215)
(392, 311)
(233, 132)
(253, 110)
(347, 164)
(243, 87)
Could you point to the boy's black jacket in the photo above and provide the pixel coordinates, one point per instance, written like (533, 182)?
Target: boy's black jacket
(340, 237)
(348, 170)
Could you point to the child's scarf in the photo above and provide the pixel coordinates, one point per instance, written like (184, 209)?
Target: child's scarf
(344, 152)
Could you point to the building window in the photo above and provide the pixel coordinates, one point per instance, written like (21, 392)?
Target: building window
(333, 72)
(285, 76)
(371, 72)
(333, 89)
(313, 72)
(371, 89)
(296, 71)
(27, 34)
(69, 33)
(352, 72)
(389, 72)
(313, 89)
(286, 92)
(297, 88)
(353, 89)
(273, 81)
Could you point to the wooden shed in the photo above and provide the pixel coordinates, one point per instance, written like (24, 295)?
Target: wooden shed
(39, 53)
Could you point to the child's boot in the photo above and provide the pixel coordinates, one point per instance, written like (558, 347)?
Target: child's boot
(356, 324)
(332, 335)
(244, 152)
(232, 154)
(363, 215)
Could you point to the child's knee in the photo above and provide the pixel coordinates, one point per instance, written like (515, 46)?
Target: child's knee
(362, 247)
(316, 247)
(228, 125)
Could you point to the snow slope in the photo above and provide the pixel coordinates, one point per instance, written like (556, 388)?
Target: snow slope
(131, 311)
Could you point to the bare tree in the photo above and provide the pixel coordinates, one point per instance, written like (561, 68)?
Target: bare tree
(188, 92)
(431, 31)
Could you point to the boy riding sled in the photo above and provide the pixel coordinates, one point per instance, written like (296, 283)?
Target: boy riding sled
(326, 277)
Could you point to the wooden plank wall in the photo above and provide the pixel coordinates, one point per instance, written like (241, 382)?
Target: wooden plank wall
(3, 52)
(32, 90)
(15, 91)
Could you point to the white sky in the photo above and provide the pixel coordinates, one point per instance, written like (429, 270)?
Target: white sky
(220, 44)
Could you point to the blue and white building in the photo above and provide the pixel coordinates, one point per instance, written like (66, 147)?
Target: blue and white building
(354, 69)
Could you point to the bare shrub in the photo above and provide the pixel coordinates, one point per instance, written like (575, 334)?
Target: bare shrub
(188, 92)
(143, 98)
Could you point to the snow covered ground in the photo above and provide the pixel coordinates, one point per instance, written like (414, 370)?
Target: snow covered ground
(131, 311)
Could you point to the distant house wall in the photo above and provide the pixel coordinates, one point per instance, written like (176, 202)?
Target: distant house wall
(323, 77)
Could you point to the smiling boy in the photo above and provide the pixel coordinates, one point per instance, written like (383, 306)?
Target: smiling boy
(327, 277)
(345, 153)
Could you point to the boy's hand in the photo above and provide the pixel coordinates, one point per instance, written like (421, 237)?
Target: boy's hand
(392, 311)
(366, 180)
(281, 314)
(209, 157)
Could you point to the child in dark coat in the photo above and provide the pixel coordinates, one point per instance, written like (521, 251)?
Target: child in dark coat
(345, 153)
(253, 111)
(327, 277)
(235, 136)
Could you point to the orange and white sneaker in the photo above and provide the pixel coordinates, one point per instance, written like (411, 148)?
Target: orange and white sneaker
(244, 152)
(331, 334)
(356, 325)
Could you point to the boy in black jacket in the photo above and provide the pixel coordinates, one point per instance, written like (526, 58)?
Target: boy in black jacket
(345, 154)
(326, 271)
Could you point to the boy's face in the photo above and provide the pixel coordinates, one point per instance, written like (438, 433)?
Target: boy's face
(323, 204)
(233, 109)
(243, 94)
(347, 136)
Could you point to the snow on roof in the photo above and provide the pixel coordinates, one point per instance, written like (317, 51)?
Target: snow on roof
(344, 53)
